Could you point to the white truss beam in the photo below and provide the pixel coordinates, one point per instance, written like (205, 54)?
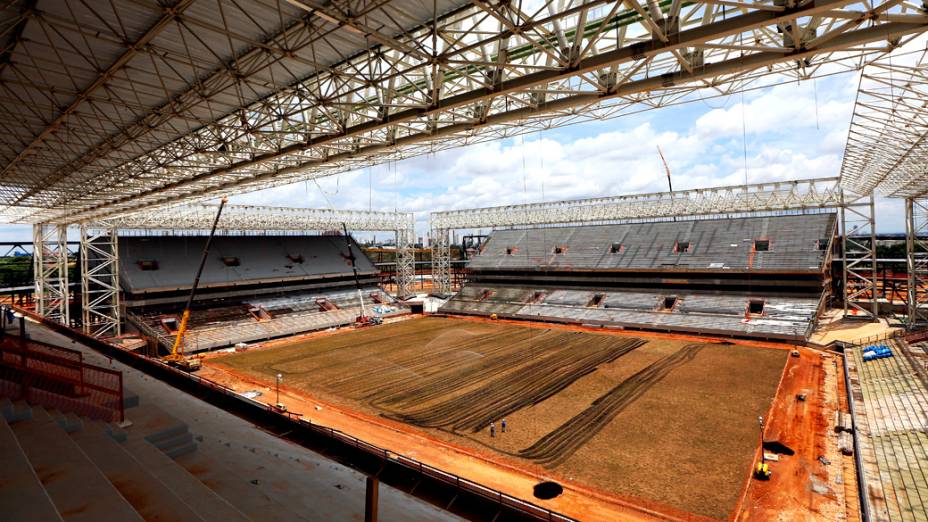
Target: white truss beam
(260, 218)
(778, 196)
(100, 308)
(775, 197)
(456, 75)
(887, 145)
(50, 262)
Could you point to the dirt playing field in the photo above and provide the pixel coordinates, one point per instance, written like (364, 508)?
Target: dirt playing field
(673, 422)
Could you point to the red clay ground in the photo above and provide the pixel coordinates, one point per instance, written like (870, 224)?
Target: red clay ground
(669, 425)
(802, 487)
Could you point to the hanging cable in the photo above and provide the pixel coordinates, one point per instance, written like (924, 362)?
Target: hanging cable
(744, 137)
(744, 124)
(524, 180)
(815, 95)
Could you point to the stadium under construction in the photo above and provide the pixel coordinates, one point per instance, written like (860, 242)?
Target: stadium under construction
(723, 353)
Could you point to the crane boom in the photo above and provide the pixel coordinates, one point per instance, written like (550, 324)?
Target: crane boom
(666, 169)
(177, 351)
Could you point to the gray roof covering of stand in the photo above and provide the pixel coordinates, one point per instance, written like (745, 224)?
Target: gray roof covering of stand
(261, 258)
(717, 244)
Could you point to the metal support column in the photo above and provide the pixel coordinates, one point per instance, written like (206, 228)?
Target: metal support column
(100, 282)
(405, 258)
(50, 261)
(371, 499)
(858, 237)
(916, 250)
(441, 261)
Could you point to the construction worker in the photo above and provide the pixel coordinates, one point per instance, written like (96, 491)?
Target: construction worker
(503, 426)
(492, 430)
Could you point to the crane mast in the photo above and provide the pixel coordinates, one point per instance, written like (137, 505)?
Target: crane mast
(177, 357)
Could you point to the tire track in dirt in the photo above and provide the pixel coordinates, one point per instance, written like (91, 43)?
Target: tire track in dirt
(556, 447)
(514, 390)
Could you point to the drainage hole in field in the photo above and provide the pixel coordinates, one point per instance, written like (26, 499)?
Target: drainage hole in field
(775, 446)
(548, 490)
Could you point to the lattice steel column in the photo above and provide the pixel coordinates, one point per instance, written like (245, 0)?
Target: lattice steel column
(858, 230)
(916, 248)
(405, 258)
(50, 259)
(100, 282)
(441, 261)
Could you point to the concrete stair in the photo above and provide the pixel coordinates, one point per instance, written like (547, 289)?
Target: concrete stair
(59, 466)
(188, 488)
(174, 441)
(14, 411)
(148, 495)
(75, 484)
(22, 495)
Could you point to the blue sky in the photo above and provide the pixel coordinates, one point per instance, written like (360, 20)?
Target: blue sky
(790, 131)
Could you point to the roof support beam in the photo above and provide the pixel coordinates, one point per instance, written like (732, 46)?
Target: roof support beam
(846, 40)
(16, 33)
(170, 13)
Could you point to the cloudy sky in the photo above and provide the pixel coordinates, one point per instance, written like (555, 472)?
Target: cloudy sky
(790, 131)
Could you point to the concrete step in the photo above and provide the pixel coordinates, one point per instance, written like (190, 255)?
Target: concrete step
(115, 432)
(130, 399)
(167, 442)
(176, 445)
(69, 422)
(79, 490)
(207, 504)
(22, 495)
(15, 411)
(162, 430)
(165, 436)
(149, 496)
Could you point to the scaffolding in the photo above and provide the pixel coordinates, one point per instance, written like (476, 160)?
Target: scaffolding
(50, 262)
(916, 220)
(100, 306)
(771, 198)
(887, 153)
(858, 245)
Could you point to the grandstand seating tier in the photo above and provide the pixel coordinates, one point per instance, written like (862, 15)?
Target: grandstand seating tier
(722, 314)
(795, 244)
(288, 315)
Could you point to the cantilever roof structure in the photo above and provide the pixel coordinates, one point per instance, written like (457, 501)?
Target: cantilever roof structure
(261, 218)
(887, 147)
(112, 107)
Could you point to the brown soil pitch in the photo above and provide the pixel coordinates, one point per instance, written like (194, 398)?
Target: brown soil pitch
(671, 421)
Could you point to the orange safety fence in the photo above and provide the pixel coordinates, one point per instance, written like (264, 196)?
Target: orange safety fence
(58, 378)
